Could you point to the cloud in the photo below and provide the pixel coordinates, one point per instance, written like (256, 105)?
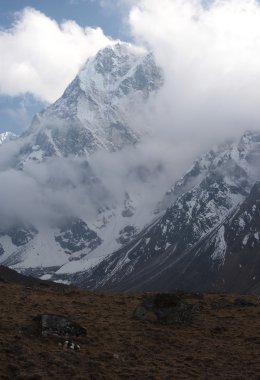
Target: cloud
(62, 187)
(41, 57)
(121, 4)
(211, 62)
(50, 191)
(210, 57)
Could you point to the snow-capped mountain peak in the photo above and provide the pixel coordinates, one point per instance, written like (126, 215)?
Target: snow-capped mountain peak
(97, 109)
(7, 136)
(110, 67)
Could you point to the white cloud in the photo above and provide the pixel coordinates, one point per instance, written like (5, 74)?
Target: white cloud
(41, 57)
(211, 62)
(210, 56)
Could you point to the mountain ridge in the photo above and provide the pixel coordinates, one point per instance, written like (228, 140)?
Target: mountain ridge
(188, 223)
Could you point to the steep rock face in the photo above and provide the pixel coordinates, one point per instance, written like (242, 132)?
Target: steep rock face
(96, 109)
(75, 236)
(243, 230)
(19, 234)
(241, 237)
(186, 247)
(228, 259)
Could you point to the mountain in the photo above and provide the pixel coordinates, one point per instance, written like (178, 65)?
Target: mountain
(208, 238)
(96, 110)
(69, 217)
(7, 136)
(238, 239)
(88, 210)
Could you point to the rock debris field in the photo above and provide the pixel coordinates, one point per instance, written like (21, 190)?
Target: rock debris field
(212, 336)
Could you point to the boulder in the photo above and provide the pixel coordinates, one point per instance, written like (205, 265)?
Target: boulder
(165, 308)
(57, 325)
(240, 302)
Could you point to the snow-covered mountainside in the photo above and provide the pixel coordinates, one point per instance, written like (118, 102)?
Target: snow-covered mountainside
(7, 136)
(83, 219)
(80, 220)
(213, 221)
(96, 110)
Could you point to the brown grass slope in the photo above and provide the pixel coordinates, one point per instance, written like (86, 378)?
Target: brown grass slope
(222, 342)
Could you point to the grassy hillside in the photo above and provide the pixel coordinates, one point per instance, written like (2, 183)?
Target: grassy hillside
(223, 340)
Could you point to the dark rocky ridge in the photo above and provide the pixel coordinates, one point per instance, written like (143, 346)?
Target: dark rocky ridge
(10, 276)
(75, 235)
